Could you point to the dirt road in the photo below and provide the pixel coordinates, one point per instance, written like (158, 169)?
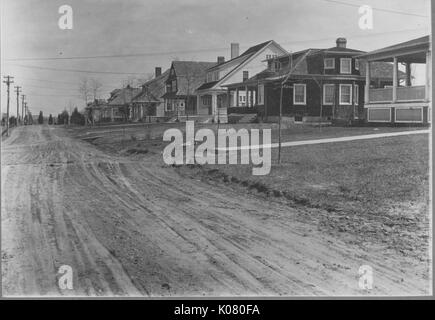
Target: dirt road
(130, 227)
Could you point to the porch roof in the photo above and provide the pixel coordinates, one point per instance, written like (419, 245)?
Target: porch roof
(409, 51)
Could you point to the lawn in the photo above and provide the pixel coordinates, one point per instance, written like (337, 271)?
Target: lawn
(370, 192)
(367, 192)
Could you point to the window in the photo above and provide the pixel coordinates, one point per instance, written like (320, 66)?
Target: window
(329, 63)
(245, 75)
(345, 65)
(328, 94)
(209, 77)
(174, 85)
(206, 100)
(261, 94)
(169, 106)
(346, 94)
(271, 56)
(276, 65)
(356, 94)
(356, 64)
(299, 93)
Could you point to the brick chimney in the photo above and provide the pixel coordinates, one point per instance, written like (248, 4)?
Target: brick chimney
(341, 42)
(234, 50)
(220, 60)
(158, 71)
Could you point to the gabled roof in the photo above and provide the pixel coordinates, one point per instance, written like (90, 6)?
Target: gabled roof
(190, 75)
(124, 96)
(246, 54)
(153, 89)
(244, 57)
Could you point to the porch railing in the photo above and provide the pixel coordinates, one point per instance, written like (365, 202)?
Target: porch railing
(414, 93)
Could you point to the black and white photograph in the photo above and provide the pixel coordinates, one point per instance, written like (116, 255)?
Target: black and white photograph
(203, 149)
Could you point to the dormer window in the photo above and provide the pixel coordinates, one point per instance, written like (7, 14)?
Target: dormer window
(346, 65)
(329, 63)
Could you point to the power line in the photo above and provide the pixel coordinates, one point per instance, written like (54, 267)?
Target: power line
(77, 70)
(378, 9)
(179, 52)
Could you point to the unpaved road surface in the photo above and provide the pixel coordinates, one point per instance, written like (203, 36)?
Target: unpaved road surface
(130, 227)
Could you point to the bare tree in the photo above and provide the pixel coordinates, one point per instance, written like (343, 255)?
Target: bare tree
(85, 90)
(95, 87)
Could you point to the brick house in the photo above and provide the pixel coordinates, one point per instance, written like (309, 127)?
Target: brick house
(317, 85)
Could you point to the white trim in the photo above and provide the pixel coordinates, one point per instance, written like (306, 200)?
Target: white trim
(350, 65)
(333, 63)
(384, 121)
(294, 94)
(246, 61)
(324, 91)
(429, 116)
(351, 94)
(408, 108)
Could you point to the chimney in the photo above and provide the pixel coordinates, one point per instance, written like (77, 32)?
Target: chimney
(341, 42)
(234, 50)
(158, 71)
(220, 60)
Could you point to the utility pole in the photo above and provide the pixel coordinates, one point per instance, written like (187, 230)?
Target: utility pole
(22, 107)
(8, 82)
(17, 90)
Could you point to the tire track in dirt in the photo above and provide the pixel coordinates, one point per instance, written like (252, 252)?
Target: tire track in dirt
(130, 227)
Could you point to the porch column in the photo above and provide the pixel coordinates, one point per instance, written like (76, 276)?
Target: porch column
(228, 98)
(428, 93)
(247, 96)
(408, 74)
(395, 79)
(213, 103)
(367, 86)
(111, 115)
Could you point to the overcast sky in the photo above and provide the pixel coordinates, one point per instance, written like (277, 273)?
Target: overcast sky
(162, 30)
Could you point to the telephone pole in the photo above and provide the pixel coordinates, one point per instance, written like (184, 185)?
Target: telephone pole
(22, 107)
(17, 90)
(8, 80)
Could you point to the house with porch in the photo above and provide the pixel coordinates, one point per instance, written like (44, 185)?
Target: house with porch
(119, 105)
(212, 94)
(400, 102)
(314, 85)
(149, 102)
(183, 79)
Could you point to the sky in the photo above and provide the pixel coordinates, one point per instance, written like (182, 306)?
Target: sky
(155, 32)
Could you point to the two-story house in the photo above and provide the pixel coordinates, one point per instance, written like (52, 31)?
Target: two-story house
(212, 94)
(183, 79)
(313, 85)
(149, 102)
(401, 102)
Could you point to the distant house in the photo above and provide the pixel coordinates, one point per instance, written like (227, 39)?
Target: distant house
(212, 94)
(317, 85)
(183, 79)
(95, 109)
(149, 101)
(399, 102)
(119, 105)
